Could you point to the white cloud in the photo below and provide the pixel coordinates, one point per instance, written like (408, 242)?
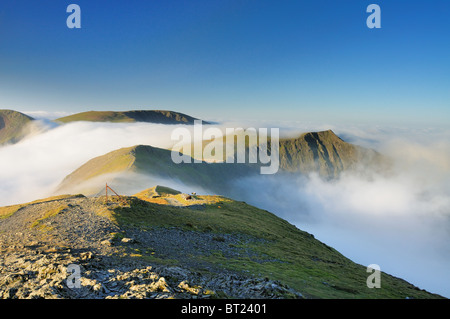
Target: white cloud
(399, 221)
(45, 115)
(34, 167)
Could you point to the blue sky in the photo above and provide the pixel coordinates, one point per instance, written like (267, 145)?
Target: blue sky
(283, 60)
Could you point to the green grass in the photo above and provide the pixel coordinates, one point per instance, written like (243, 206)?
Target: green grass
(8, 211)
(116, 236)
(160, 261)
(113, 162)
(39, 223)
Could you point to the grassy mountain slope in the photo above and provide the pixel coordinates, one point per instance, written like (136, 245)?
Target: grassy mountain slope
(150, 116)
(12, 125)
(148, 160)
(321, 152)
(223, 242)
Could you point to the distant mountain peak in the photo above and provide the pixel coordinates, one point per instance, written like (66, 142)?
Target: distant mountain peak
(327, 134)
(323, 152)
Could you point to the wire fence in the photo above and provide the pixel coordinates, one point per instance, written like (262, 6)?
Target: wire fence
(121, 198)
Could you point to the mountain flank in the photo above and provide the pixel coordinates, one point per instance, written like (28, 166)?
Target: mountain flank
(161, 243)
(13, 126)
(325, 153)
(124, 165)
(148, 116)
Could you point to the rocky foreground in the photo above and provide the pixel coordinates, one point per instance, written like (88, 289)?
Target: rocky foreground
(42, 272)
(78, 253)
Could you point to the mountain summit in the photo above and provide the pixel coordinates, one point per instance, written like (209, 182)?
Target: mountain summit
(325, 153)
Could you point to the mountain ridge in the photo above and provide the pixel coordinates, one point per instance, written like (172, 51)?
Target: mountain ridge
(321, 152)
(148, 116)
(173, 246)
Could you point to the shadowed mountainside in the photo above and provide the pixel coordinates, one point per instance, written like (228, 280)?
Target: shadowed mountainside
(325, 153)
(13, 126)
